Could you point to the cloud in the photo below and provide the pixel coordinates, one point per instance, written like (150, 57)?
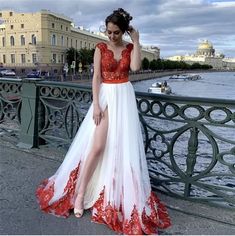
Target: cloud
(174, 26)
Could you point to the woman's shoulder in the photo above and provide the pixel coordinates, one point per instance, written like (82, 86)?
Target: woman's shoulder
(129, 46)
(101, 46)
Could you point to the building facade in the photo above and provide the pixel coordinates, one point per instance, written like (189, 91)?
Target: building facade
(205, 54)
(40, 40)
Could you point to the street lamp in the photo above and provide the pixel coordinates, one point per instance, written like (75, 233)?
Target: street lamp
(80, 69)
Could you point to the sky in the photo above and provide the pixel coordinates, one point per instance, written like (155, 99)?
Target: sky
(175, 26)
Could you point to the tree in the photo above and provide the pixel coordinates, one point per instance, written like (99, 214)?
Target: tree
(145, 64)
(153, 64)
(159, 64)
(72, 55)
(86, 56)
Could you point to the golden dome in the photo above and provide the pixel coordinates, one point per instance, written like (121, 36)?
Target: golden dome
(205, 45)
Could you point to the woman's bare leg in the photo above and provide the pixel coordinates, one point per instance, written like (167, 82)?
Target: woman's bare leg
(93, 158)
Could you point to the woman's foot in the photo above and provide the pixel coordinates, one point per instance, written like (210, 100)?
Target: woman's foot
(78, 206)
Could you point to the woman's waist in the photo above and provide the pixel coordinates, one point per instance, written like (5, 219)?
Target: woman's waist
(115, 77)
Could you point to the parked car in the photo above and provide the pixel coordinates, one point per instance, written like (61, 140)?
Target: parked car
(37, 74)
(34, 74)
(7, 72)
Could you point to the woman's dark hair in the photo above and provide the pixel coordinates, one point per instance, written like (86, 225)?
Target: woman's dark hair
(121, 18)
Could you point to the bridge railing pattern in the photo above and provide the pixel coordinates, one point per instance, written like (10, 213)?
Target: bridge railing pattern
(190, 146)
(10, 104)
(63, 107)
(189, 142)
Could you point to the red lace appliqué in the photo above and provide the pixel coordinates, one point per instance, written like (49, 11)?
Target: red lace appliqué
(45, 192)
(139, 223)
(113, 71)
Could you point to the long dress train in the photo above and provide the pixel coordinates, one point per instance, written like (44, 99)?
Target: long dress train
(119, 192)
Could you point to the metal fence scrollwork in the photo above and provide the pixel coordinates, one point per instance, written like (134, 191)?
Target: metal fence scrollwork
(63, 108)
(189, 142)
(190, 146)
(10, 104)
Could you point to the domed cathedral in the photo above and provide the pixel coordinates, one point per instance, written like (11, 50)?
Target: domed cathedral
(205, 48)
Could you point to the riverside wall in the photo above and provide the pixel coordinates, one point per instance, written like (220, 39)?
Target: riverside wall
(151, 75)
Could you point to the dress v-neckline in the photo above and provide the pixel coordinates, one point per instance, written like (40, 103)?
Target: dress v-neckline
(121, 56)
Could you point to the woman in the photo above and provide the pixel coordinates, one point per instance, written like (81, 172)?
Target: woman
(105, 167)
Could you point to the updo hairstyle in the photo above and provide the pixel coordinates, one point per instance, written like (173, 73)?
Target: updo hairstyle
(121, 18)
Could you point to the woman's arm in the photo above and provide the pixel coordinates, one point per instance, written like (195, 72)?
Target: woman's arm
(97, 112)
(135, 53)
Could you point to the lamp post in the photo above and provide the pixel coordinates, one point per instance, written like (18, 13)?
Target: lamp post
(80, 69)
(28, 51)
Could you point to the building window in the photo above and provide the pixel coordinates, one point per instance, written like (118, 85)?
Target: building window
(22, 26)
(3, 42)
(4, 59)
(80, 44)
(22, 40)
(53, 40)
(85, 44)
(62, 40)
(33, 39)
(0, 14)
(61, 27)
(12, 41)
(71, 43)
(53, 25)
(34, 57)
(67, 42)
(11, 13)
(23, 58)
(13, 58)
(54, 58)
(12, 26)
(76, 44)
(67, 28)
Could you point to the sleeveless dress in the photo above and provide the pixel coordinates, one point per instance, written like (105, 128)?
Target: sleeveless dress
(119, 192)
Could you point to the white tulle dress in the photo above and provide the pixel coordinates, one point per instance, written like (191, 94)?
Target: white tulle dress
(119, 193)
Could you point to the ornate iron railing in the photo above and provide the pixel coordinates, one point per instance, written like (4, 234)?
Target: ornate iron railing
(10, 104)
(190, 146)
(189, 142)
(63, 107)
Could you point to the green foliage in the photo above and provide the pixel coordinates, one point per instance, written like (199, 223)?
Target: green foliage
(196, 65)
(84, 55)
(199, 66)
(153, 65)
(71, 55)
(161, 64)
(145, 64)
(206, 67)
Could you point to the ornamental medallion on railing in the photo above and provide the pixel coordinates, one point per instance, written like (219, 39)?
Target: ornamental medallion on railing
(10, 103)
(190, 146)
(62, 109)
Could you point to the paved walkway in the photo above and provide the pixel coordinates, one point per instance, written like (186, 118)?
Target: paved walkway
(21, 171)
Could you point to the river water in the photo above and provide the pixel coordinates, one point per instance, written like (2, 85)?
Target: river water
(220, 85)
(211, 85)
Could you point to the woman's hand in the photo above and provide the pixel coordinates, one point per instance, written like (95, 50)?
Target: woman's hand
(134, 34)
(97, 114)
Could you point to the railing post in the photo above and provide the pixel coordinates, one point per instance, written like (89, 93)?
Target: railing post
(29, 113)
(191, 157)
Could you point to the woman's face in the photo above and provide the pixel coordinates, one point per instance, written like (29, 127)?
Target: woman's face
(114, 33)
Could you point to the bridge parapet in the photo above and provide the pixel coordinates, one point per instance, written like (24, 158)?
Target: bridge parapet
(189, 142)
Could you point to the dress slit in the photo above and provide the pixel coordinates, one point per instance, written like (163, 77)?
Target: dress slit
(119, 192)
